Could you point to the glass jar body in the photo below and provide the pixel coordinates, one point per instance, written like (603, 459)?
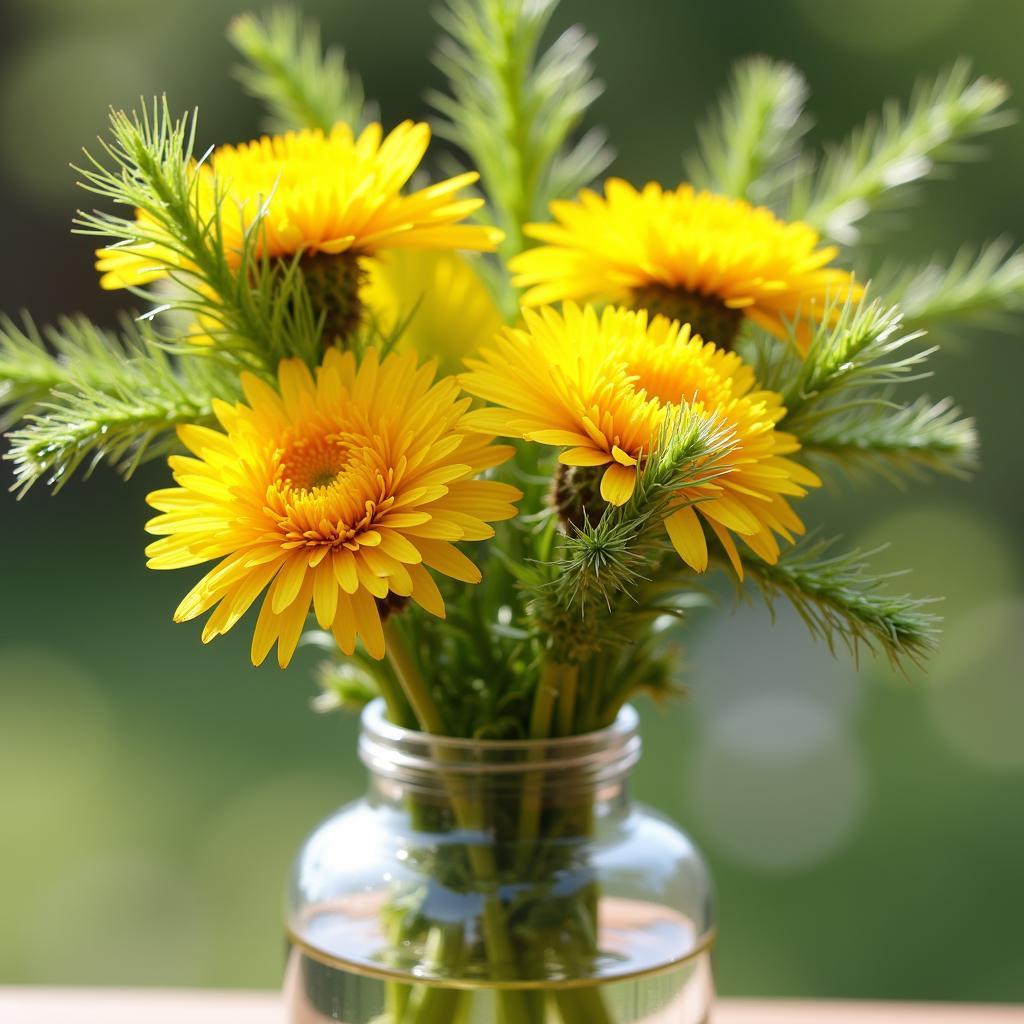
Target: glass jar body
(499, 883)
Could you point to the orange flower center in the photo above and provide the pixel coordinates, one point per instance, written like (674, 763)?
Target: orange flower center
(673, 373)
(310, 463)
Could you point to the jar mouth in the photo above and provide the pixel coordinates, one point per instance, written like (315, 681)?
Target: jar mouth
(391, 750)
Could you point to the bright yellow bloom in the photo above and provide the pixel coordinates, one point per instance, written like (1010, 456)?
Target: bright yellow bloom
(601, 387)
(447, 308)
(327, 194)
(642, 248)
(335, 492)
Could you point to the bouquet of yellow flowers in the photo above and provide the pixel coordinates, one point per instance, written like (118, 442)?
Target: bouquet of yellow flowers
(480, 437)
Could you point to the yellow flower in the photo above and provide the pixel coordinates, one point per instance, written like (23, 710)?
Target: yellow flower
(447, 308)
(335, 492)
(702, 258)
(328, 194)
(600, 387)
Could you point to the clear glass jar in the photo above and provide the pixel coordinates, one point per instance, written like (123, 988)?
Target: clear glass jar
(499, 882)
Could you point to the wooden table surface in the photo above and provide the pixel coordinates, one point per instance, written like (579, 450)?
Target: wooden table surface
(122, 1006)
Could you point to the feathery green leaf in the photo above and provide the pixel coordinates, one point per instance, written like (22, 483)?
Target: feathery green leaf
(842, 601)
(979, 286)
(28, 372)
(896, 441)
(286, 67)
(513, 109)
(586, 594)
(749, 147)
(254, 310)
(112, 398)
(848, 363)
(882, 158)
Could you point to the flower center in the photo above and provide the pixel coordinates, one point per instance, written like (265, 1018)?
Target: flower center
(576, 496)
(311, 463)
(672, 371)
(662, 380)
(707, 315)
(333, 283)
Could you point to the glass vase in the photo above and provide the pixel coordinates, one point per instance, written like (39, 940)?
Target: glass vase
(499, 882)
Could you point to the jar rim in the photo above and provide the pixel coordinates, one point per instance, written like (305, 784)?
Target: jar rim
(389, 749)
(374, 720)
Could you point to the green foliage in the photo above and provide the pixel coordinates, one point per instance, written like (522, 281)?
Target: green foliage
(750, 146)
(513, 109)
(479, 663)
(981, 285)
(848, 362)
(842, 601)
(347, 685)
(895, 440)
(576, 606)
(98, 397)
(256, 311)
(286, 67)
(27, 370)
(839, 397)
(888, 154)
(584, 595)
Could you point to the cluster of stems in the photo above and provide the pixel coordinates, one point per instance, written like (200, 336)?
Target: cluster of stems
(533, 860)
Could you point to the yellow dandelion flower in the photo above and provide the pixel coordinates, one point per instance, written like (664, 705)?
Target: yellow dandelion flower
(323, 194)
(447, 309)
(600, 388)
(334, 492)
(701, 258)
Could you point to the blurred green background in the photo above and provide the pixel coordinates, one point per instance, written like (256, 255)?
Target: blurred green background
(867, 833)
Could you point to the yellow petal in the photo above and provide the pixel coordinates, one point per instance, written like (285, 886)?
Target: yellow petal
(344, 565)
(425, 592)
(325, 595)
(288, 582)
(444, 558)
(368, 624)
(399, 547)
(621, 457)
(730, 547)
(292, 622)
(584, 457)
(267, 628)
(687, 536)
(618, 483)
(344, 626)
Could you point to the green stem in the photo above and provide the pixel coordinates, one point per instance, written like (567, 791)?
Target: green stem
(513, 1004)
(397, 994)
(399, 711)
(567, 701)
(548, 688)
(411, 679)
(432, 1004)
(594, 684)
(582, 1006)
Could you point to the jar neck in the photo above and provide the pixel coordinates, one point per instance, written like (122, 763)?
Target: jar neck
(464, 783)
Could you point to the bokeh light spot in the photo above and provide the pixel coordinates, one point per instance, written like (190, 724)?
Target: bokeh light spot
(777, 785)
(246, 856)
(55, 743)
(954, 553)
(121, 920)
(976, 693)
(750, 653)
